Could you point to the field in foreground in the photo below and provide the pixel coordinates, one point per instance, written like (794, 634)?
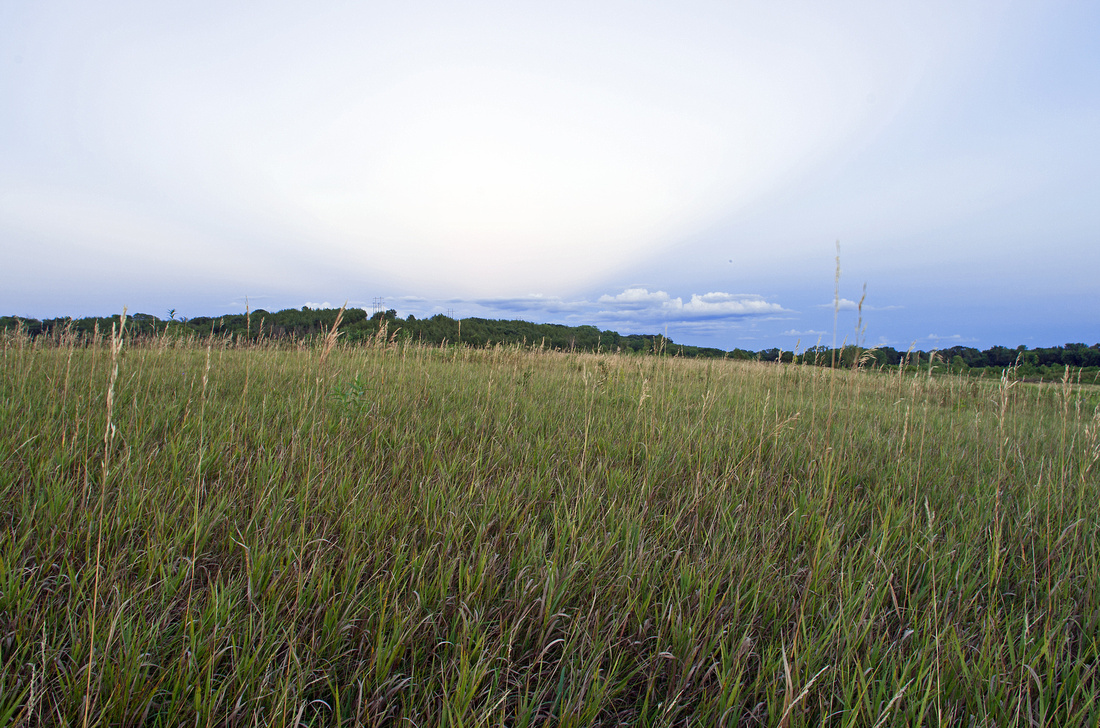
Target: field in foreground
(365, 535)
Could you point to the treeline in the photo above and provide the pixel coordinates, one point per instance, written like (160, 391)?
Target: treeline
(1042, 362)
(305, 324)
(356, 325)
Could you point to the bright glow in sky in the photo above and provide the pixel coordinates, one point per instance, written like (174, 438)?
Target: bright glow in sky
(637, 165)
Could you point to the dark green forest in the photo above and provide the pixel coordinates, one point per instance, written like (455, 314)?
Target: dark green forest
(304, 326)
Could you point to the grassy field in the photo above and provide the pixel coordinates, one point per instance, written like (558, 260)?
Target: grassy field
(199, 534)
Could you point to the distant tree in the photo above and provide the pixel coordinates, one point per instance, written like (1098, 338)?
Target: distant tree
(1000, 356)
(1080, 355)
(389, 315)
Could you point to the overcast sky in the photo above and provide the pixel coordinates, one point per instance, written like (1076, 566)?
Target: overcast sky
(685, 167)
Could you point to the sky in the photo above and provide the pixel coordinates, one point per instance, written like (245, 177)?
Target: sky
(692, 168)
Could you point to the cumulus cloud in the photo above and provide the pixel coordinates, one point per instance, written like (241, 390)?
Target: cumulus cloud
(640, 299)
(706, 306)
(722, 305)
(807, 333)
(842, 304)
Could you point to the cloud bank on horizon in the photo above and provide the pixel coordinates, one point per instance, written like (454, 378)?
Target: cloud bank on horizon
(631, 163)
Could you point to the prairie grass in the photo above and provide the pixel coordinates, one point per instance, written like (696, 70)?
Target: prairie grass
(391, 534)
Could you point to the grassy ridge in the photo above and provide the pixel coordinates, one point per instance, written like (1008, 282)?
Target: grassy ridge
(456, 536)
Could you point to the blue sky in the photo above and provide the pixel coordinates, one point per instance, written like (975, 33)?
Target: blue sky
(683, 167)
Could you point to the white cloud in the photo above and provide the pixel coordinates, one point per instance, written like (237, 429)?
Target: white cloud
(842, 304)
(713, 305)
(807, 333)
(721, 305)
(641, 298)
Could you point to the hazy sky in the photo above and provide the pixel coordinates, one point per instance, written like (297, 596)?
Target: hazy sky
(684, 167)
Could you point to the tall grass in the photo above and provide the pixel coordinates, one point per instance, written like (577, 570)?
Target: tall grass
(450, 536)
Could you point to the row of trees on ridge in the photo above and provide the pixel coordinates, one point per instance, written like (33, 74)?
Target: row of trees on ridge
(357, 325)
